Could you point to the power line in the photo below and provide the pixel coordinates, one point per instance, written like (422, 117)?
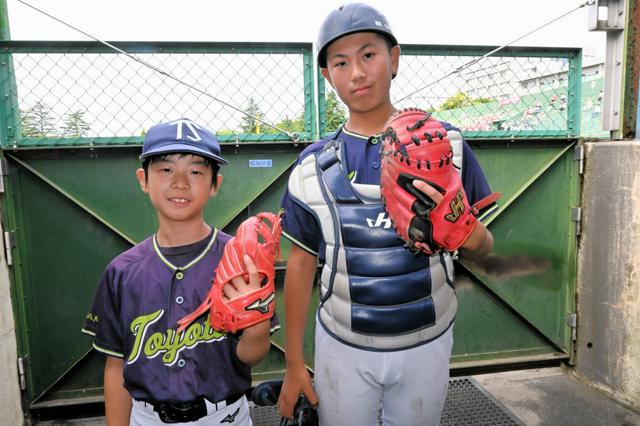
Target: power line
(294, 136)
(476, 60)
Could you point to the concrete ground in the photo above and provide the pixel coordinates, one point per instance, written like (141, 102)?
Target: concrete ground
(552, 396)
(546, 396)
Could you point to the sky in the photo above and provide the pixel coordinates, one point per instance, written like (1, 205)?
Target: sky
(466, 22)
(444, 22)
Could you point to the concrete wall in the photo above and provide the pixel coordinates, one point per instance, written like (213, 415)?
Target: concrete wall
(10, 403)
(608, 339)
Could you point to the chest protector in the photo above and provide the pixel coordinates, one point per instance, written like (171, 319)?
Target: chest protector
(374, 293)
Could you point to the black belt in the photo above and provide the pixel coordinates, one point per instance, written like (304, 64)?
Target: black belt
(187, 411)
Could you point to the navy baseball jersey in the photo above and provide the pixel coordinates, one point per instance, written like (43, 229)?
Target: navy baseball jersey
(363, 164)
(134, 315)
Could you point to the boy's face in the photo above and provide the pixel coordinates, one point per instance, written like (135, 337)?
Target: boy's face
(360, 67)
(179, 186)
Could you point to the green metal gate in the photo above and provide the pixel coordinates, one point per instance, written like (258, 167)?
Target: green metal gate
(73, 211)
(517, 305)
(71, 203)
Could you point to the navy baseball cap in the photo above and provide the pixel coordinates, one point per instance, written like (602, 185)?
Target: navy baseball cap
(181, 136)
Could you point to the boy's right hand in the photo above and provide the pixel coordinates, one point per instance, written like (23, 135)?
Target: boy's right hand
(296, 381)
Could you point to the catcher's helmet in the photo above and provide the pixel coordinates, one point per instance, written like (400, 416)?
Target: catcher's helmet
(349, 19)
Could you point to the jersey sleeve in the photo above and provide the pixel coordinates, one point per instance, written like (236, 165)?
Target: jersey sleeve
(299, 225)
(474, 181)
(102, 320)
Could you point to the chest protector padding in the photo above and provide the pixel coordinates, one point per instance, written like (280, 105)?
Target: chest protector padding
(374, 293)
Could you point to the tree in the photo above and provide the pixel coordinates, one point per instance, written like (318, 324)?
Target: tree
(224, 132)
(37, 121)
(290, 125)
(249, 124)
(75, 124)
(336, 115)
(461, 100)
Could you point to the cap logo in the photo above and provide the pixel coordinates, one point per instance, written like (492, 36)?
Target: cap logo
(191, 128)
(378, 23)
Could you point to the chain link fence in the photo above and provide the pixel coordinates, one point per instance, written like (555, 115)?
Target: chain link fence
(79, 93)
(243, 92)
(513, 93)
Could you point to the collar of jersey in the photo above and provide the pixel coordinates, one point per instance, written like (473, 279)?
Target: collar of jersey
(358, 135)
(190, 264)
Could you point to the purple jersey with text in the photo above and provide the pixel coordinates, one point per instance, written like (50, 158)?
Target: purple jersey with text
(134, 315)
(363, 165)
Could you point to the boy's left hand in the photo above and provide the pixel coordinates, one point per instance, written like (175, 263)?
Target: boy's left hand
(244, 284)
(255, 342)
(428, 190)
(479, 242)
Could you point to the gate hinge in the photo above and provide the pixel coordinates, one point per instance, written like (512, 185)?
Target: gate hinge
(4, 171)
(9, 244)
(572, 321)
(21, 376)
(578, 155)
(576, 216)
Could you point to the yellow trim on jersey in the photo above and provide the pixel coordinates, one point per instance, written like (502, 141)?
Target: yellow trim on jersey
(107, 351)
(274, 329)
(299, 244)
(358, 135)
(89, 332)
(190, 264)
(485, 215)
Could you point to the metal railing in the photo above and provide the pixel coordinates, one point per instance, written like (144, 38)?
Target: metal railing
(84, 93)
(514, 93)
(68, 93)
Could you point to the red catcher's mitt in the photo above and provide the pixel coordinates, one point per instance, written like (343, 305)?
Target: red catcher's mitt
(416, 146)
(261, 241)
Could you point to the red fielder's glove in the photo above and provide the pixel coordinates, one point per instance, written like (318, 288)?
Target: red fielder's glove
(261, 242)
(416, 147)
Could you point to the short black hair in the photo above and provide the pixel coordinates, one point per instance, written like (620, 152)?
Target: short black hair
(214, 165)
(387, 40)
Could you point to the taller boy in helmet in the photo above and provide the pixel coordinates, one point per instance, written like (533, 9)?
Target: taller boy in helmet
(384, 323)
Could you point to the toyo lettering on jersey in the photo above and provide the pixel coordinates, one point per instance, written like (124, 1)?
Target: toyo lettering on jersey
(168, 344)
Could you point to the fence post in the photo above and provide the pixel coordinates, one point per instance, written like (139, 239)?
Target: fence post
(9, 112)
(10, 400)
(322, 107)
(310, 115)
(574, 95)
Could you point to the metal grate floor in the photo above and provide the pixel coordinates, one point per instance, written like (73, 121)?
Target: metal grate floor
(467, 404)
(265, 416)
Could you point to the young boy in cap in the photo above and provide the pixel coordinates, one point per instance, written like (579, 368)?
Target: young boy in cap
(334, 215)
(154, 375)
